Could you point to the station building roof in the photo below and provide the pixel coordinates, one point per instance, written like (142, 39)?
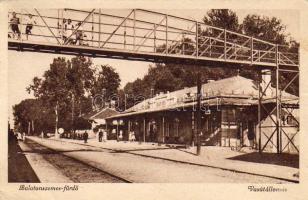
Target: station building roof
(236, 90)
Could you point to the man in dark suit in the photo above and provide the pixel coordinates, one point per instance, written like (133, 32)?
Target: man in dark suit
(85, 137)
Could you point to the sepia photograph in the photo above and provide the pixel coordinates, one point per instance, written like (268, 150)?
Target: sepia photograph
(153, 96)
(153, 100)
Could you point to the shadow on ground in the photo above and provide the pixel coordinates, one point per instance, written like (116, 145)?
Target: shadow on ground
(19, 169)
(289, 160)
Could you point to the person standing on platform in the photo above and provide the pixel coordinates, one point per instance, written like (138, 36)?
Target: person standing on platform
(29, 21)
(129, 136)
(251, 133)
(85, 40)
(79, 34)
(104, 135)
(15, 21)
(85, 137)
(133, 137)
(100, 135)
(121, 135)
(62, 30)
(70, 28)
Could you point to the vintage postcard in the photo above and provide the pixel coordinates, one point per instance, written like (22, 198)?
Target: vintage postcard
(189, 99)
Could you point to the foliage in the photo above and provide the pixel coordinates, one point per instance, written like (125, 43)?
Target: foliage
(222, 18)
(265, 28)
(163, 77)
(107, 79)
(66, 88)
(33, 111)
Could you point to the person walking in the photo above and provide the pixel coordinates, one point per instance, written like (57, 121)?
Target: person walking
(85, 137)
(100, 135)
(29, 21)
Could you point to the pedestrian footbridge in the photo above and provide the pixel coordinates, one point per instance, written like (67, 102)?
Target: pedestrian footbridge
(143, 35)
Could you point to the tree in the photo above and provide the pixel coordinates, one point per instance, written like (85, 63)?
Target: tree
(133, 91)
(222, 18)
(171, 76)
(265, 28)
(32, 115)
(272, 30)
(64, 83)
(108, 79)
(53, 88)
(167, 77)
(81, 80)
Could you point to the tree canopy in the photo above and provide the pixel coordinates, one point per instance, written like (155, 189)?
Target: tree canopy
(222, 18)
(162, 77)
(33, 115)
(67, 87)
(107, 79)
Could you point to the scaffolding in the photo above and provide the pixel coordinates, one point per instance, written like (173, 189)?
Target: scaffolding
(279, 108)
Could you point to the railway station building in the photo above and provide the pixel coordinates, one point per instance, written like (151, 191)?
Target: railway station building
(229, 117)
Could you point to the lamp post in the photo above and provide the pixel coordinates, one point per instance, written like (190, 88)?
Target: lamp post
(198, 113)
(73, 110)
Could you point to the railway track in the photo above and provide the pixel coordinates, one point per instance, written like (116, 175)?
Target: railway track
(176, 168)
(76, 170)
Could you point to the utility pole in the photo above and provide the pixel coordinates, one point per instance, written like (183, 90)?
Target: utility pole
(125, 101)
(73, 110)
(198, 113)
(104, 97)
(29, 128)
(57, 119)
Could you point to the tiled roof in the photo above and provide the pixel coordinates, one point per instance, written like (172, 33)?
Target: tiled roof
(102, 114)
(236, 90)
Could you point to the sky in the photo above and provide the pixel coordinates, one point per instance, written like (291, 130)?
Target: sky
(23, 66)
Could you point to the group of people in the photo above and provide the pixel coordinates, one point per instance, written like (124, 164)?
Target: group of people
(14, 135)
(67, 31)
(102, 135)
(15, 22)
(131, 136)
(72, 34)
(78, 135)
